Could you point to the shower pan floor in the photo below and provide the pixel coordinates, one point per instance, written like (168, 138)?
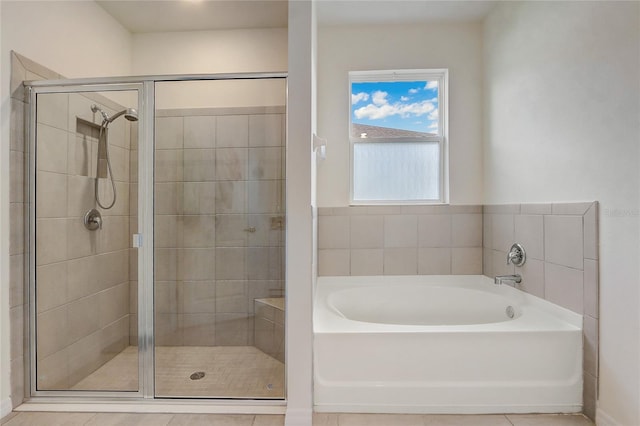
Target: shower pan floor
(229, 372)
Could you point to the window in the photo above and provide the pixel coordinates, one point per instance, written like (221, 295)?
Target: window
(398, 133)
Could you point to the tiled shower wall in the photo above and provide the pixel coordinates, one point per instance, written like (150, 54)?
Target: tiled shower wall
(561, 242)
(219, 206)
(82, 277)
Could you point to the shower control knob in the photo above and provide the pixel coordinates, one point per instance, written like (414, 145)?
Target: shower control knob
(93, 220)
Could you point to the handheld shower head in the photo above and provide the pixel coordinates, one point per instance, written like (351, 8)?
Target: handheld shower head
(129, 113)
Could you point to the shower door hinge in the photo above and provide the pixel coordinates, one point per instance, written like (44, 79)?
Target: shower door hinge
(137, 240)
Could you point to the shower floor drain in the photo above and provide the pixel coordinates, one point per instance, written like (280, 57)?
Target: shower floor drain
(197, 375)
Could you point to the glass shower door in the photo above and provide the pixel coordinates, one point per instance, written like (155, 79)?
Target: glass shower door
(219, 239)
(84, 201)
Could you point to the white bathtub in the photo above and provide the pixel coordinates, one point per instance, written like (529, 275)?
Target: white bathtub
(442, 344)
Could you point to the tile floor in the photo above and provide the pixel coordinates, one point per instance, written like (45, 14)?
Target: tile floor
(128, 419)
(230, 372)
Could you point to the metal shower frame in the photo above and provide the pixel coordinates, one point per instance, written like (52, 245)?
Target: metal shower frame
(145, 87)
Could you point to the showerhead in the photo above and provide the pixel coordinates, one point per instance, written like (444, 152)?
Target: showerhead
(129, 113)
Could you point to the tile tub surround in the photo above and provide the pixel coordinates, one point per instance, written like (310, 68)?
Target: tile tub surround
(561, 242)
(218, 197)
(394, 240)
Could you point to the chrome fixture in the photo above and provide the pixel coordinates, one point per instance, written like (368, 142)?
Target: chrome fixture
(93, 220)
(516, 255)
(512, 280)
(104, 162)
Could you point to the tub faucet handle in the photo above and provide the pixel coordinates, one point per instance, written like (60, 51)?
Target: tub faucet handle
(516, 255)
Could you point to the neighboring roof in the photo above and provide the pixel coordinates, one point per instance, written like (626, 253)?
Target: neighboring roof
(384, 132)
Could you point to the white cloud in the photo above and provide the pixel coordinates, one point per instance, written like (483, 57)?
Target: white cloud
(433, 115)
(433, 126)
(379, 98)
(414, 91)
(380, 111)
(404, 98)
(362, 96)
(431, 85)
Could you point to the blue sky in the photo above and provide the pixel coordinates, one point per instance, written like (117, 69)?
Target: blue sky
(407, 105)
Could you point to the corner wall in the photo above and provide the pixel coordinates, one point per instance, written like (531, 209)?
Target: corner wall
(562, 124)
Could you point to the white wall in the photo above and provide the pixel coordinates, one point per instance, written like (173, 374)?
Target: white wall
(77, 39)
(457, 47)
(213, 52)
(562, 123)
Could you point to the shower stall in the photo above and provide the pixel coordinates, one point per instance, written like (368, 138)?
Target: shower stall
(156, 238)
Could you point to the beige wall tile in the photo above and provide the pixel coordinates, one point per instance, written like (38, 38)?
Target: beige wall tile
(166, 264)
(563, 242)
(81, 277)
(265, 130)
(333, 262)
(17, 383)
(199, 329)
(230, 263)
(466, 230)
(169, 133)
(264, 263)
(434, 230)
(527, 209)
(487, 231)
(199, 231)
(17, 335)
(17, 228)
(380, 420)
(197, 264)
(502, 228)
(230, 230)
(591, 288)
(333, 232)
(529, 231)
(51, 288)
(589, 397)
(53, 331)
(53, 109)
(16, 166)
(499, 265)
(264, 196)
(16, 280)
(400, 261)
(570, 208)
(564, 286)
(198, 297)
(168, 231)
(266, 163)
(84, 358)
(264, 335)
(82, 317)
(590, 223)
(230, 296)
(168, 165)
(113, 304)
(366, 231)
(82, 242)
(265, 234)
(168, 297)
(82, 156)
(167, 330)
(51, 195)
(434, 261)
(113, 268)
(367, 262)
(199, 165)
(232, 329)
(232, 131)
(231, 163)
(532, 273)
(51, 241)
(80, 198)
(487, 262)
(590, 348)
(200, 132)
(229, 197)
(400, 231)
(53, 372)
(466, 261)
(200, 198)
(114, 234)
(166, 198)
(16, 136)
(51, 149)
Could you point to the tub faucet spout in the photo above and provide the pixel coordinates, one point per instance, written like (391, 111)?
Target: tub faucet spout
(508, 279)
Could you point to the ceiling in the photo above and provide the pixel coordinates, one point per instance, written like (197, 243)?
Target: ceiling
(144, 16)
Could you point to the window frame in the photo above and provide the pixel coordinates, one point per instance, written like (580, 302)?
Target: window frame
(442, 77)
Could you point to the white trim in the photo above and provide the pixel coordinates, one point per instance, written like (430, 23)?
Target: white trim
(604, 419)
(442, 77)
(298, 417)
(5, 407)
(158, 406)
